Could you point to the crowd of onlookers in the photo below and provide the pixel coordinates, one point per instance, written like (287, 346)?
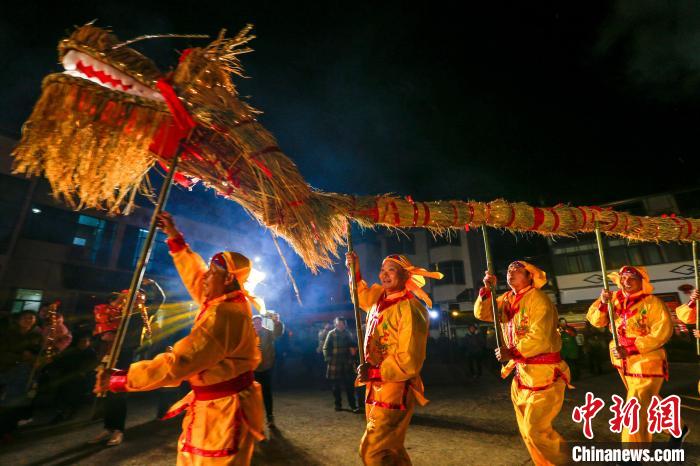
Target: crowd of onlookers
(42, 364)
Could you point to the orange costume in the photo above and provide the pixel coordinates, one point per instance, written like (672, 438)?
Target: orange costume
(529, 327)
(643, 326)
(224, 409)
(397, 333)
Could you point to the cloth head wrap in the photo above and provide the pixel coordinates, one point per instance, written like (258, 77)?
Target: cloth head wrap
(239, 266)
(539, 277)
(640, 273)
(416, 277)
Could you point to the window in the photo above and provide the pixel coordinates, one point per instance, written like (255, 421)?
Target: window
(452, 270)
(400, 244)
(27, 300)
(78, 241)
(437, 241)
(12, 194)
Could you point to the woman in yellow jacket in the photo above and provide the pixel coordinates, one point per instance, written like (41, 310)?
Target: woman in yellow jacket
(643, 326)
(224, 409)
(531, 346)
(395, 340)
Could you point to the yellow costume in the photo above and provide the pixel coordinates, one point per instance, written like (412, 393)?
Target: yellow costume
(643, 326)
(395, 340)
(529, 327)
(224, 409)
(688, 314)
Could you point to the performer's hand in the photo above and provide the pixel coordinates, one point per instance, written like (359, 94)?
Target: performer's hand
(363, 371)
(696, 333)
(165, 222)
(101, 381)
(695, 295)
(606, 296)
(620, 352)
(490, 280)
(503, 354)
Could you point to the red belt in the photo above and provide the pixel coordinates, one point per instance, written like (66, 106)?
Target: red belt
(222, 389)
(544, 358)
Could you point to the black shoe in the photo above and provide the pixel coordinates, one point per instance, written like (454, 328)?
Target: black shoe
(356, 410)
(677, 442)
(338, 408)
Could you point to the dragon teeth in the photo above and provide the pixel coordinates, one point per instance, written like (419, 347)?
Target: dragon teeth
(117, 80)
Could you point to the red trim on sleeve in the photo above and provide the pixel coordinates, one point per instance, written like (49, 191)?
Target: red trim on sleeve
(691, 304)
(603, 307)
(374, 374)
(484, 292)
(632, 349)
(176, 244)
(117, 381)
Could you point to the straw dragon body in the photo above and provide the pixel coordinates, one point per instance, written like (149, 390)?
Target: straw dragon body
(93, 129)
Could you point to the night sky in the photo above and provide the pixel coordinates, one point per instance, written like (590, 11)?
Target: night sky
(542, 102)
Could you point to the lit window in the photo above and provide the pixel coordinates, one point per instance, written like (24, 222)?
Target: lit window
(27, 300)
(78, 241)
(89, 221)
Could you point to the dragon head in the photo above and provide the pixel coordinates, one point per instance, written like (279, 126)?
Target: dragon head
(94, 129)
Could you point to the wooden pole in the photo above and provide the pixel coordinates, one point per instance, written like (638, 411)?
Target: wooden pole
(355, 299)
(606, 286)
(137, 277)
(697, 302)
(492, 289)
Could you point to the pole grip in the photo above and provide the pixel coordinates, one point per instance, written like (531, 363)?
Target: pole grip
(606, 286)
(492, 290)
(354, 296)
(697, 302)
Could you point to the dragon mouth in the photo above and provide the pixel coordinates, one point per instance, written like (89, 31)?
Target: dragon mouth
(84, 66)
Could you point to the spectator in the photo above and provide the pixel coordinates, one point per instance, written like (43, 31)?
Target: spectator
(15, 403)
(61, 337)
(491, 347)
(21, 335)
(569, 347)
(597, 349)
(338, 354)
(475, 346)
(73, 372)
(266, 342)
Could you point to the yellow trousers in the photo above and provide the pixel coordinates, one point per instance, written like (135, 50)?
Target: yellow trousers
(535, 411)
(383, 441)
(643, 388)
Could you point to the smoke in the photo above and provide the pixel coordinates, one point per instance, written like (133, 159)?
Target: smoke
(658, 46)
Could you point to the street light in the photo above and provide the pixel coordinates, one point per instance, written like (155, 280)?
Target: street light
(455, 313)
(433, 314)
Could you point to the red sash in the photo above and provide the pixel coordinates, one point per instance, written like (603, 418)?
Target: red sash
(222, 389)
(544, 358)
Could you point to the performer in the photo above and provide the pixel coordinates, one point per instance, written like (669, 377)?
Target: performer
(643, 325)
(531, 346)
(224, 409)
(395, 340)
